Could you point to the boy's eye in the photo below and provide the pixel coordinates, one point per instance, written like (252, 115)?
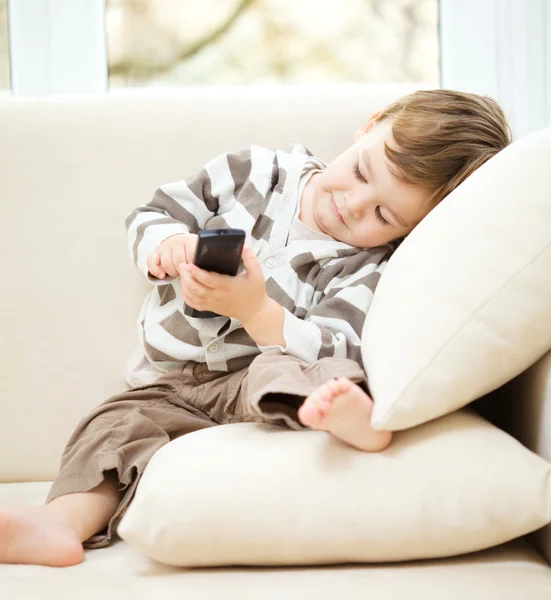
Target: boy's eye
(380, 216)
(358, 173)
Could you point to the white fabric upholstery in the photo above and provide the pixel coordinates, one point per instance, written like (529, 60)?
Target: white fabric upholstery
(72, 169)
(309, 499)
(512, 571)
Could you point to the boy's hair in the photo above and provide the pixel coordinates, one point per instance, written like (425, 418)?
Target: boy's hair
(442, 136)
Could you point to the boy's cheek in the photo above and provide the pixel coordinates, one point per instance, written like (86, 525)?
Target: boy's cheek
(334, 182)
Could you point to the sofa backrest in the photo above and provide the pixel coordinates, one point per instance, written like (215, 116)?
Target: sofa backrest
(71, 169)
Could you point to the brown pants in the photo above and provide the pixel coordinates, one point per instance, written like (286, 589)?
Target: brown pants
(123, 433)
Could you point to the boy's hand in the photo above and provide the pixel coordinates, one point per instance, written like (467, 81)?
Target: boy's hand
(240, 297)
(176, 249)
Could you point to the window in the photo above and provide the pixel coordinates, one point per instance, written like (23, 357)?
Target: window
(4, 47)
(186, 42)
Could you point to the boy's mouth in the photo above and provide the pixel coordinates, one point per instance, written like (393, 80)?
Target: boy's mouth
(337, 212)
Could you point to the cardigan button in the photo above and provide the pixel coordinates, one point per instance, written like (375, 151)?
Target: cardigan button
(271, 263)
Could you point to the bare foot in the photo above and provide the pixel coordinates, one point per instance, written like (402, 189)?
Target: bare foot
(35, 535)
(344, 410)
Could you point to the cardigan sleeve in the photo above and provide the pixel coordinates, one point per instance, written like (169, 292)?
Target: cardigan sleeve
(185, 206)
(333, 327)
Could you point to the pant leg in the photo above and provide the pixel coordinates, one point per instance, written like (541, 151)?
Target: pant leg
(277, 384)
(122, 434)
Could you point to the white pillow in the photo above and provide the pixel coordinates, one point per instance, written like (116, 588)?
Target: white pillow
(258, 494)
(464, 304)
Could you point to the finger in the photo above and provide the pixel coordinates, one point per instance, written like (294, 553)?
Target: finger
(189, 252)
(193, 300)
(153, 265)
(208, 279)
(190, 247)
(192, 286)
(178, 255)
(183, 268)
(251, 262)
(167, 264)
(189, 300)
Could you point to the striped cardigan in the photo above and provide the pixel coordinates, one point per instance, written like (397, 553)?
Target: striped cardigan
(325, 287)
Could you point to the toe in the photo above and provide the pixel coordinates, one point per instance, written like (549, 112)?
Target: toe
(333, 386)
(325, 394)
(317, 396)
(309, 414)
(323, 407)
(344, 384)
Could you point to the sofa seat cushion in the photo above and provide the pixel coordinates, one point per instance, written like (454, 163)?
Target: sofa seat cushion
(511, 571)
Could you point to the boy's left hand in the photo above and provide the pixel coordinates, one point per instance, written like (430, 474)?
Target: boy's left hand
(240, 297)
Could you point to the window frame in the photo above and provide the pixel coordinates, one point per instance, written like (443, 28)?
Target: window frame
(68, 53)
(501, 48)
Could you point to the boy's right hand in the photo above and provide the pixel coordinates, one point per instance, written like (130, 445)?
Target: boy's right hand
(176, 249)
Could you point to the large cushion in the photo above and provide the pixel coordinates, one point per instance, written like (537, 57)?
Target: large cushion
(464, 304)
(258, 494)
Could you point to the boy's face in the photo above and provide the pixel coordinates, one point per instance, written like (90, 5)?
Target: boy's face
(356, 199)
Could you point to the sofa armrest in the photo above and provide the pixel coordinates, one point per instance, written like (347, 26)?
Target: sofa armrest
(522, 407)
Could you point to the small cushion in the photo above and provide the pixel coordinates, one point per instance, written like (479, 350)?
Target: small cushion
(464, 304)
(259, 494)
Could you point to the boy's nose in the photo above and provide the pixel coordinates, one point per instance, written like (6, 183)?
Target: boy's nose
(356, 203)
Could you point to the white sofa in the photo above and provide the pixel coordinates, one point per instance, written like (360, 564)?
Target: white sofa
(71, 169)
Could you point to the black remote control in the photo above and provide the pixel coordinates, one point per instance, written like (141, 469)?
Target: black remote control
(217, 250)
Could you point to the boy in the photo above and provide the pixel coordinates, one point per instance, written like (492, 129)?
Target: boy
(320, 236)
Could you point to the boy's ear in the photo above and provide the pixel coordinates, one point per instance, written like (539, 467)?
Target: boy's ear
(367, 126)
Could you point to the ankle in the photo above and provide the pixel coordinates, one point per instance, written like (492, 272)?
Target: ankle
(89, 512)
